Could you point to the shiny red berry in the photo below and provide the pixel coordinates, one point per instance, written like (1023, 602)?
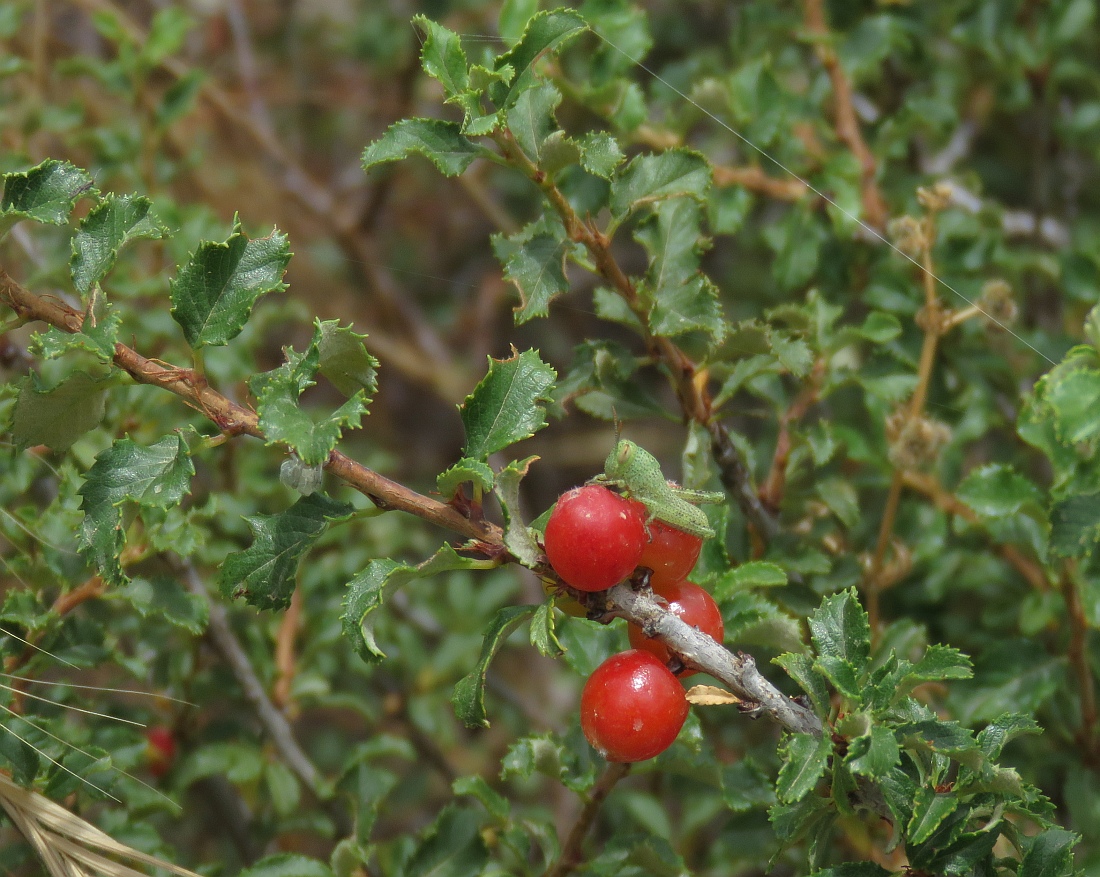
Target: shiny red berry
(632, 707)
(670, 553)
(594, 537)
(694, 606)
(160, 749)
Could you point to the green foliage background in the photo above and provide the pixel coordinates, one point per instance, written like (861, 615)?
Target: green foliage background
(911, 483)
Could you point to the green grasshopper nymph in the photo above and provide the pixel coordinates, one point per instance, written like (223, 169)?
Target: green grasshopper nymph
(637, 472)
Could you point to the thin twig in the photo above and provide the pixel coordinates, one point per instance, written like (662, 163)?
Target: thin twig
(572, 851)
(875, 212)
(1078, 655)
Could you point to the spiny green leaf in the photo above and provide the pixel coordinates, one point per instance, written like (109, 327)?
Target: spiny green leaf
(282, 417)
(600, 154)
(938, 663)
(45, 193)
(345, 360)
(264, 573)
(672, 174)
(754, 574)
(840, 630)
(993, 738)
(98, 335)
(517, 537)
(875, 754)
(109, 226)
(442, 143)
(507, 405)
(1050, 854)
(945, 738)
(543, 631)
(537, 268)
(469, 693)
(801, 669)
(805, 758)
(531, 119)
(545, 32)
(465, 471)
(929, 811)
(1075, 526)
(998, 491)
(366, 591)
(214, 293)
(58, 416)
(442, 57)
(157, 476)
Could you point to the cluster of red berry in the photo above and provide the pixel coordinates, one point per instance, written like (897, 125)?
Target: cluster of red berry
(633, 706)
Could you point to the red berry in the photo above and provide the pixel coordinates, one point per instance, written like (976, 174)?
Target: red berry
(632, 707)
(670, 553)
(594, 537)
(160, 749)
(694, 606)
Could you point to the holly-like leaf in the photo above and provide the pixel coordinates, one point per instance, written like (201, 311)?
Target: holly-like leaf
(442, 143)
(58, 416)
(1075, 526)
(672, 174)
(345, 360)
(214, 293)
(442, 57)
(45, 193)
(507, 405)
(157, 476)
(469, 693)
(545, 32)
(801, 669)
(945, 738)
(874, 754)
(366, 592)
(841, 635)
(754, 574)
(805, 758)
(929, 811)
(1050, 854)
(98, 335)
(109, 226)
(264, 573)
(994, 736)
(282, 418)
(537, 268)
(544, 631)
(600, 154)
(682, 298)
(517, 537)
(938, 662)
(465, 471)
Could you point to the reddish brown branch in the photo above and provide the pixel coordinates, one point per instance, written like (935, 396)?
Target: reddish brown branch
(771, 492)
(755, 180)
(875, 212)
(1077, 653)
(572, 851)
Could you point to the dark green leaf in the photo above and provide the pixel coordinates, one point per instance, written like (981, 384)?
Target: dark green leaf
(440, 142)
(465, 471)
(164, 597)
(875, 754)
(345, 360)
(746, 787)
(929, 811)
(1011, 676)
(469, 693)
(517, 536)
(801, 669)
(442, 57)
(600, 154)
(998, 491)
(1050, 854)
(841, 635)
(805, 758)
(938, 663)
(945, 738)
(543, 634)
(648, 178)
(264, 574)
(754, 574)
(58, 416)
(214, 293)
(531, 120)
(452, 847)
(993, 738)
(98, 335)
(492, 800)
(537, 268)
(1074, 399)
(854, 869)
(45, 193)
(109, 226)
(157, 476)
(507, 405)
(365, 593)
(545, 32)
(1075, 525)
(282, 417)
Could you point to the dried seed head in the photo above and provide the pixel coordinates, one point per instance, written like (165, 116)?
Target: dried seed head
(908, 235)
(915, 442)
(998, 304)
(935, 198)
